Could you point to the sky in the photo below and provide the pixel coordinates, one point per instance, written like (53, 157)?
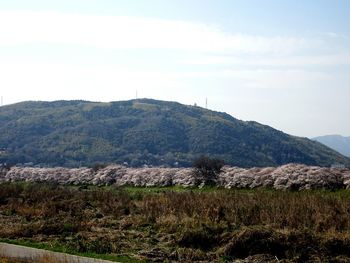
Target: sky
(284, 63)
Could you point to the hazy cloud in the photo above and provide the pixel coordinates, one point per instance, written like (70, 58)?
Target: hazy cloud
(18, 27)
(339, 59)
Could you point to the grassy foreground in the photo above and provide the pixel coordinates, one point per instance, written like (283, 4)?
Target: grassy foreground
(176, 224)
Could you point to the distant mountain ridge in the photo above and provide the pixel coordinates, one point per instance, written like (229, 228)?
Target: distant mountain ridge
(337, 142)
(145, 132)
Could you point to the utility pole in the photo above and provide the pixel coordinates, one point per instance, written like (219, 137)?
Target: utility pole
(206, 103)
(136, 94)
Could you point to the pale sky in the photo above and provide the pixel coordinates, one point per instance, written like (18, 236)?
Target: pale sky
(284, 63)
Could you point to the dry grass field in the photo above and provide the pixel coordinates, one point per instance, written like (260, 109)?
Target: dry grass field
(176, 224)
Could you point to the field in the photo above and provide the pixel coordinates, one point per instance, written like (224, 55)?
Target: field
(130, 224)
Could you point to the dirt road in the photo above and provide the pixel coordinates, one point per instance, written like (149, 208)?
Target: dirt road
(40, 255)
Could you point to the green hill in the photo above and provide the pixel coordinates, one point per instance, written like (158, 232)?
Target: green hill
(145, 131)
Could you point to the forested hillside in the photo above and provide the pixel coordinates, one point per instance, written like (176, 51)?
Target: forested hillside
(337, 142)
(145, 131)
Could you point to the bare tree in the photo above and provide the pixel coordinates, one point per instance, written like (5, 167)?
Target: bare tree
(207, 169)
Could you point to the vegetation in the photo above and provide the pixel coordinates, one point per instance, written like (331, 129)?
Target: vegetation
(178, 224)
(207, 169)
(337, 142)
(144, 132)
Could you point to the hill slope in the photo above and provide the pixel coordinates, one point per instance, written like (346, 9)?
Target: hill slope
(144, 131)
(337, 142)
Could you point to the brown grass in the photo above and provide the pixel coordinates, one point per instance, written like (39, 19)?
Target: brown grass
(182, 226)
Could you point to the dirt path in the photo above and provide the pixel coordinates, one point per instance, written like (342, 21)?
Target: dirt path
(40, 255)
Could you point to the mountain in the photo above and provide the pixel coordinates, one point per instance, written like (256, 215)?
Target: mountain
(337, 142)
(145, 131)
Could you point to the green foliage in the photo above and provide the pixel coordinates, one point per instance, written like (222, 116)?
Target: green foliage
(145, 132)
